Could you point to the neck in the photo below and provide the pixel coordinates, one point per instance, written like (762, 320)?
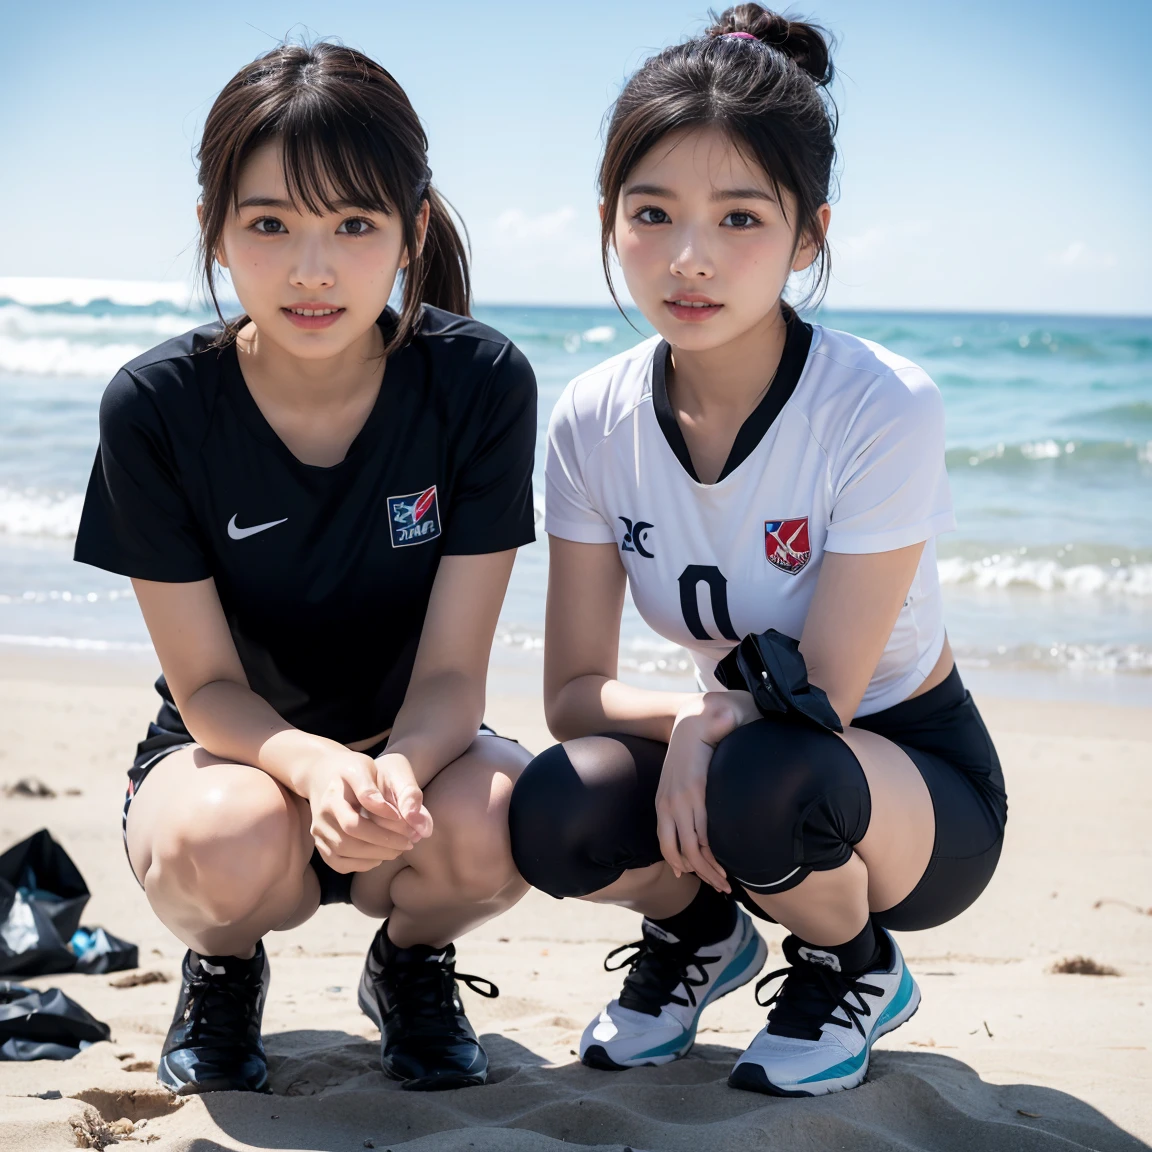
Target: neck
(735, 375)
(299, 383)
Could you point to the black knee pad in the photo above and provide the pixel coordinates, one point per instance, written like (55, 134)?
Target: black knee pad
(784, 800)
(575, 827)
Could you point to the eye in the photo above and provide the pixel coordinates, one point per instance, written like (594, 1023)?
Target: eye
(741, 221)
(652, 216)
(356, 226)
(269, 226)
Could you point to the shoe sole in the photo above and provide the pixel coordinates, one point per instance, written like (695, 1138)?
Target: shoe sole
(750, 1077)
(596, 1056)
(437, 1083)
(178, 1087)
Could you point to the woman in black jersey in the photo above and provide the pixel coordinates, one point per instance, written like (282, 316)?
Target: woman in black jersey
(319, 505)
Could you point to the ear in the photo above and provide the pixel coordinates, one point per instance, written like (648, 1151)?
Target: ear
(809, 247)
(421, 232)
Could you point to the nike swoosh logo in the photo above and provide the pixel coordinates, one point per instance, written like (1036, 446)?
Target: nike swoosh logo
(243, 533)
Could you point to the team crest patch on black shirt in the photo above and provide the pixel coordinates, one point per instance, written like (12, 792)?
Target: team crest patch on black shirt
(414, 518)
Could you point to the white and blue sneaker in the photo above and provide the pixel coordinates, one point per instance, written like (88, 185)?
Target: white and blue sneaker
(669, 984)
(822, 1023)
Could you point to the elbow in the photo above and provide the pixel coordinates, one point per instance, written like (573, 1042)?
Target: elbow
(560, 714)
(557, 719)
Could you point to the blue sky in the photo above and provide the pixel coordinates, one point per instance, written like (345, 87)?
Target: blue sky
(994, 155)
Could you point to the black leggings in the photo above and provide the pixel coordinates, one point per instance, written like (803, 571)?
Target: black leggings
(783, 800)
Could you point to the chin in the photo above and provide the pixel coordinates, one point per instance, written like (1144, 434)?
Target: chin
(698, 337)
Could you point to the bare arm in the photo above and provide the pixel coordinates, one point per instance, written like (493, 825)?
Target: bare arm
(582, 695)
(444, 704)
(852, 614)
(210, 688)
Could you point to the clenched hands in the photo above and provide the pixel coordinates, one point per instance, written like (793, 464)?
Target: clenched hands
(365, 811)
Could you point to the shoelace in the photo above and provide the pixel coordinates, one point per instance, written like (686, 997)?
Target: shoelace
(656, 967)
(425, 990)
(217, 1011)
(809, 997)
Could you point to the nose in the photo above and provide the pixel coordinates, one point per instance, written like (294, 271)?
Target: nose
(313, 267)
(692, 261)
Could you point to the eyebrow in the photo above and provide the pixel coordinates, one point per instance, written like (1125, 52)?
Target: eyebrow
(721, 194)
(288, 206)
(264, 202)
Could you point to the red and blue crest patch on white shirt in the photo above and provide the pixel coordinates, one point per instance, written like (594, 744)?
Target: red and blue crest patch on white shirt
(786, 544)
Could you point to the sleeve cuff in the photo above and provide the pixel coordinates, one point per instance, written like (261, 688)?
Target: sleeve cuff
(581, 533)
(862, 543)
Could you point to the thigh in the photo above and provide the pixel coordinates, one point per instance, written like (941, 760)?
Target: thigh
(468, 802)
(969, 836)
(197, 796)
(897, 846)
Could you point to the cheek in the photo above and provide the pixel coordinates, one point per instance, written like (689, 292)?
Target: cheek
(759, 260)
(641, 254)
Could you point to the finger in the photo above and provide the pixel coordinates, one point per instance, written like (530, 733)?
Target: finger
(393, 823)
(686, 836)
(712, 872)
(398, 782)
(350, 825)
(370, 798)
(724, 885)
(691, 850)
(331, 842)
(669, 846)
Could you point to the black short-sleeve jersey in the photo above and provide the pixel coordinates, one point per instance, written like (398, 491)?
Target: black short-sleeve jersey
(324, 574)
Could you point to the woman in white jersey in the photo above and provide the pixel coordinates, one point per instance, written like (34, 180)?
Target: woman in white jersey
(751, 476)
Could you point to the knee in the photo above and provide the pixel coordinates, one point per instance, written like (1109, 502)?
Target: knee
(226, 847)
(556, 824)
(784, 801)
(470, 846)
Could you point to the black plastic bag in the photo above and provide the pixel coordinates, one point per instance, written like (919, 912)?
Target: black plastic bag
(42, 897)
(44, 1025)
(770, 666)
(98, 951)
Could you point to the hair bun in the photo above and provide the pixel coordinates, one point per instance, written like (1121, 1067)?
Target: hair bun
(807, 45)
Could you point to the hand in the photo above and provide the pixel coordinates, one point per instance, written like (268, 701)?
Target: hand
(681, 816)
(398, 784)
(355, 826)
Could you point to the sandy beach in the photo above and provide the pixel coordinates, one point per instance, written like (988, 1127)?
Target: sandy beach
(1004, 1053)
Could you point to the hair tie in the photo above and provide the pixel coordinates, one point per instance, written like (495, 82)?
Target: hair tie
(738, 36)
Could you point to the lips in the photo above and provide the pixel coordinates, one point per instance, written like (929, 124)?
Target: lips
(692, 307)
(312, 314)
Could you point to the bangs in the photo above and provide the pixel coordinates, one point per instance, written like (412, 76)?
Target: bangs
(332, 160)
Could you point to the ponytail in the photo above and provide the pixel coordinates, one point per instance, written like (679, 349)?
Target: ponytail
(439, 273)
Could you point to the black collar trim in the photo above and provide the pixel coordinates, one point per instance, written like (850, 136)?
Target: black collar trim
(797, 343)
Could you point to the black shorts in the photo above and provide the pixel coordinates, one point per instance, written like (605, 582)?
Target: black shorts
(576, 827)
(165, 737)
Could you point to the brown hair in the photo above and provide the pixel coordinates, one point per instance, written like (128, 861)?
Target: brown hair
(767, 94)
(348, 135)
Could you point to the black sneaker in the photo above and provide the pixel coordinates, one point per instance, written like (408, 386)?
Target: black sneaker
(411, 995)
(214, 1042)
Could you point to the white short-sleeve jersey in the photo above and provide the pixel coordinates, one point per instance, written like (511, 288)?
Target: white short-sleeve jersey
(844, 454)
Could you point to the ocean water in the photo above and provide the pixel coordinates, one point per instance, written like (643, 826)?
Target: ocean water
(1049, 425)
